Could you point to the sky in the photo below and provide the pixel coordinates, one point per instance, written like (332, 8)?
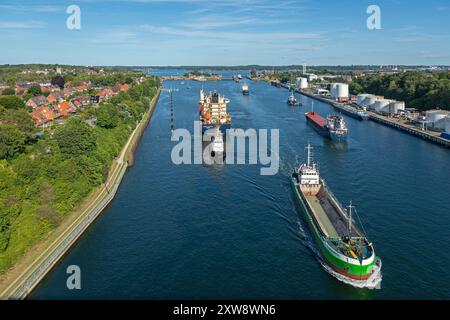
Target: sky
(225, 32)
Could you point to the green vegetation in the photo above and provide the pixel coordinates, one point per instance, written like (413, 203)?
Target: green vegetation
(418, 89)
(8, 92)
(41, 180)
(11, 102)
(34, 90)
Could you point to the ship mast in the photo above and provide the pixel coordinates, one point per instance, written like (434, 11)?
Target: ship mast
(350, 207)
(309, 148)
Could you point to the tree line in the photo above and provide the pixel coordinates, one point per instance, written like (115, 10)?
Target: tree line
(421, 90)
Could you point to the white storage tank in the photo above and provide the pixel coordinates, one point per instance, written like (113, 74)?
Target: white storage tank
(436, 115)
(382, 105)
(370, 101)
(447, 124)
(342, 90)
(302, 83)
(396, 106)
(339, 90)
(361, 98)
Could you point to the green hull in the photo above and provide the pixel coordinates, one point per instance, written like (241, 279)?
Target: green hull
(340, 264)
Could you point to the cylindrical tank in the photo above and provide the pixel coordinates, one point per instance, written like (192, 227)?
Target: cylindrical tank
(382, 105)
(361, 97)
(396, 106)
(303, 83)
(447, 124)
(342, 90)
(435, 115)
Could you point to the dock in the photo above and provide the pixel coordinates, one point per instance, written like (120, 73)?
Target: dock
(407, 128)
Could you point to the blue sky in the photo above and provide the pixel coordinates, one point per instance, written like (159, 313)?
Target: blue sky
(225, 32)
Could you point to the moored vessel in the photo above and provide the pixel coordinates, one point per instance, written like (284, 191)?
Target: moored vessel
(342, 244)
(333, 127)
(353, 112)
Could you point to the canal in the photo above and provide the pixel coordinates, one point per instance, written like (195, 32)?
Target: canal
(225, 231)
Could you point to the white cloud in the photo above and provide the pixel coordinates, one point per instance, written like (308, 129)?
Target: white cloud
(21, 24)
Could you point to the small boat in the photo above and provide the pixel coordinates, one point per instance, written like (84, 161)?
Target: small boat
(245, 90)
(292, 101)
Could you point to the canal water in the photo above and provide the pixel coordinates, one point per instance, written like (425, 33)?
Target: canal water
(225, 231)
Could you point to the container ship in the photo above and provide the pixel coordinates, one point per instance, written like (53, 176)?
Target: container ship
(333, 127)
(245, 90)
(342, 245)
(212, 111)
(354, 113)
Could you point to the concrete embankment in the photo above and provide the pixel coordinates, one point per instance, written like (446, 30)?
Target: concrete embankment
(20, 281)
(140, 131)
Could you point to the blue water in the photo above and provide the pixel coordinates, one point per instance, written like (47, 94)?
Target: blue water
(225, 231)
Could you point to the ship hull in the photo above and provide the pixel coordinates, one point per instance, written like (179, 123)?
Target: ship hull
(354, 115)
(318, 127)
(338, 137)
(357, 272)
(245, 93)
(223, 127)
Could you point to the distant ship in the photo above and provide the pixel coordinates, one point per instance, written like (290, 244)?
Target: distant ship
(343, 246)
(245, 90)
(353, 112)
(333, 127)
(292, 101)
(212, 109)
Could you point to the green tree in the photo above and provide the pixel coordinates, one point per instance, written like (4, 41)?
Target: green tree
(11, 141)
(8, 92)
(35, 90)
(46, 211)
(58, 81)
(11, 102)
(107, 116)
(20, 118)
(75, 138)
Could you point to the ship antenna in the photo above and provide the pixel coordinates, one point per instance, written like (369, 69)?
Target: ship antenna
(350, 219)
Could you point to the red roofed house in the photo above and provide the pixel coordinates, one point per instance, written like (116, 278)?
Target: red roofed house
(67, 92)
(124, 87)
(54, 97)
(44, 114)
(36, 101)
(105, 93)
(46, 88)
(65, 108)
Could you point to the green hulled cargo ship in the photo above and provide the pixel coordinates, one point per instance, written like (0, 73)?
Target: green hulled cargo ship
(343, 246)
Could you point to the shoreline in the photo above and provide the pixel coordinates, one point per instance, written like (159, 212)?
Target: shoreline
(22, 278)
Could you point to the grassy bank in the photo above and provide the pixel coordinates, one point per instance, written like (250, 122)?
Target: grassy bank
(50, 178)
(40, 251)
